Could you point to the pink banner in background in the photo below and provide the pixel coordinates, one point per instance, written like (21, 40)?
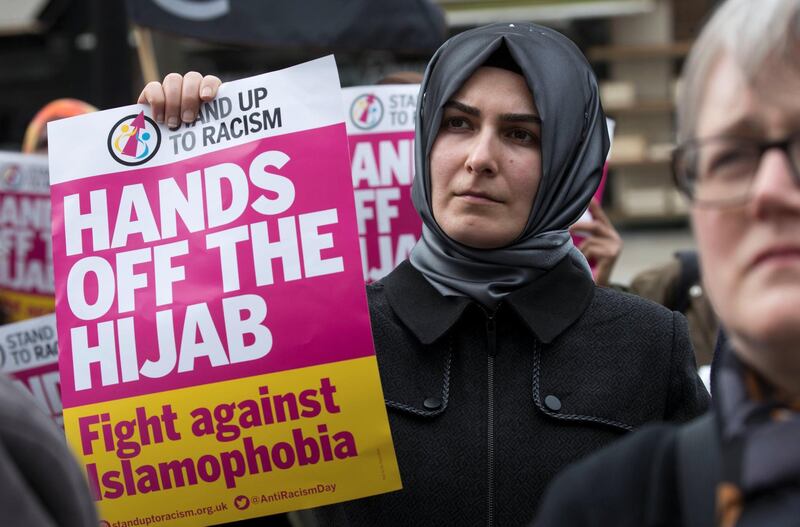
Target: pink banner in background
(29, 355)
(26, 267)
(388, 224)
(380, 129)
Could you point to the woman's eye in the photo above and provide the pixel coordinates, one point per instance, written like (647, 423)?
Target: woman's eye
(458, 123)
(733, 164)
(523, 136)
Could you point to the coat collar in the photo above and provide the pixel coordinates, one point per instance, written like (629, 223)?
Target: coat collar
(548, 306)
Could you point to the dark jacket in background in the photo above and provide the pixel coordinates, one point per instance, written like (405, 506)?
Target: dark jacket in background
(40, 482)
(738, 465)
(633, 483)
(485, 408)
(666, 285)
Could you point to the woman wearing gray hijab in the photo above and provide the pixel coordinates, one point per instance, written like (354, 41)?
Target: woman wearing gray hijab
(501, 362)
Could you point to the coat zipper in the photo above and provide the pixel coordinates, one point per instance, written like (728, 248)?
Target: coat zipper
(491, 341)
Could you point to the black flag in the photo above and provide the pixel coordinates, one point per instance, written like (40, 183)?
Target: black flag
(330, 25)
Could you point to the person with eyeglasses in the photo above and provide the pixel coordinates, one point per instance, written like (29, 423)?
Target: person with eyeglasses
(739, 164)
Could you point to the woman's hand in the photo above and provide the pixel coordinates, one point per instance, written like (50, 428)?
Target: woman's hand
(178, 98)
(602, 245)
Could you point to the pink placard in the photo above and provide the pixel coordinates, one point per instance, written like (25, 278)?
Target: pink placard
(297, 304)
(29, 355)
(26, 270)
(380, 127)
(198, 268)
(598, 195)
(388, 224)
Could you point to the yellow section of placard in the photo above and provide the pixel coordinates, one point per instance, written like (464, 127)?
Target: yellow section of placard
(237, 449)
(22, 306)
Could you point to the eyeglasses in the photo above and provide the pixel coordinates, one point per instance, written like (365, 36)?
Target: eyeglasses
(719, 172)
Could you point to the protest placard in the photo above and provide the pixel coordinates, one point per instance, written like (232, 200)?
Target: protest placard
(29, 355)
(215, 348)
(380, 127)
(26, 268)
(578, 237)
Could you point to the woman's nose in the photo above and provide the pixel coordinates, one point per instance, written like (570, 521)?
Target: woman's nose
(482, 156)
(775, 188)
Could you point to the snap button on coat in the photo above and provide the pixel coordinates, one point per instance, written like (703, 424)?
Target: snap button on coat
(552, 403)
(432, 403)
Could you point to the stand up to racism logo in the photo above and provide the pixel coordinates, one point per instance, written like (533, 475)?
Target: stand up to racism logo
(366, 111)
(11, 176)
(134, 139)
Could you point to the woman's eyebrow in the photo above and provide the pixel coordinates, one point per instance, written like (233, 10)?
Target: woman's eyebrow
(739, 126)
(521, 118)
(471, 110)
(507, 117)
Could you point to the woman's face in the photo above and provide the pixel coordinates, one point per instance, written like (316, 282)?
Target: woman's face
(486, 161)
(751, 254)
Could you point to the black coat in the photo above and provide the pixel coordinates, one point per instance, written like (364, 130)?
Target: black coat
(634, 483)
(485, 408)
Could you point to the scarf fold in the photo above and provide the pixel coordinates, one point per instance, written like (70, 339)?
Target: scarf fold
(574, 147)
(760, 433)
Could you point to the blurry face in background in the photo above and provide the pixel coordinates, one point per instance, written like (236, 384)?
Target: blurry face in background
(486, 160)
(750, 254)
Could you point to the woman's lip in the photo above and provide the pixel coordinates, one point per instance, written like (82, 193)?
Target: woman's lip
(777, 254)
(478, 197)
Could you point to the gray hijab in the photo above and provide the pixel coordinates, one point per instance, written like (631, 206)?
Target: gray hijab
(574, 147)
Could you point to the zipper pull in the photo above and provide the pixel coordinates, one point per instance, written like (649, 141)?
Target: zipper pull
(491, 335)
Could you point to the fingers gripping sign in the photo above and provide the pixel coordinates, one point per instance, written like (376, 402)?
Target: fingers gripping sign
(178, 97)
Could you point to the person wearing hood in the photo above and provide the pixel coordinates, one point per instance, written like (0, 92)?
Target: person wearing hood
(41, 483)
(500, 360)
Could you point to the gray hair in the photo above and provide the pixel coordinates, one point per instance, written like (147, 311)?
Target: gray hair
(754, 34)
